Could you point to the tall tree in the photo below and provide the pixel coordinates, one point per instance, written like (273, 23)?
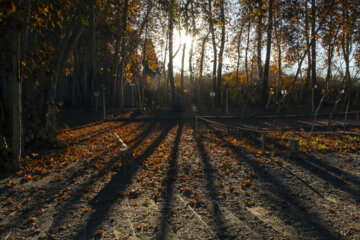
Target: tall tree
(171, 12)
(313, 54)
(265, 84)
(213, 38)
(221, 4)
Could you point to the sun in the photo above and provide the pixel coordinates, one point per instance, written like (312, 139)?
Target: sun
(180, 39)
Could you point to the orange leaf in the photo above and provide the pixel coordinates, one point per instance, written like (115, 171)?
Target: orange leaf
(99, 232)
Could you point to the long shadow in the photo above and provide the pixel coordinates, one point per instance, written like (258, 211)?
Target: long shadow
(55, 188)
(316, 166)
(349, 177)
(93, 133)
(143, 135)
(297, 177)
(80, 192)
(221, 230)
(283, 192)
(118, 184)
(170, 181)
(309, 162)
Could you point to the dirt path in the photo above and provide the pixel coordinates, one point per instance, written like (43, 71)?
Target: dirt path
(214, 186)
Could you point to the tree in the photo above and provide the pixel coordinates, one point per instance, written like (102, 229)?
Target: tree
(265, 85)
(221, 49)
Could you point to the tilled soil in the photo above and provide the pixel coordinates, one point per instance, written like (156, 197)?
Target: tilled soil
(181, 185)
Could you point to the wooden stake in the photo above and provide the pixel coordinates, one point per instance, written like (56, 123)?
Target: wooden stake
(262, 139)
(196, 123)
(294, 146)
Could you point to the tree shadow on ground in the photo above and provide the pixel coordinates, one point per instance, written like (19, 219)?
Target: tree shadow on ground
(321, 170)
(56, 188)
(282, 192)
(138, 139)
(220, 228)
(117, 185)
(82, 189)
(65, 209)
(170, 181)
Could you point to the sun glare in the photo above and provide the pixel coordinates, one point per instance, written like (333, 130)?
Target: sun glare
(179, 40)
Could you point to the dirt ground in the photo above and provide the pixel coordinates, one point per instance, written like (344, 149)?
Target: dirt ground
(212, 185)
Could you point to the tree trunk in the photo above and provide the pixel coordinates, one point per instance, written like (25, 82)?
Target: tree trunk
(308, 45)
(279, 79)
(166, 86)
(221, 52)
(201, 69)
(14, 101)
(123, 52)
(313, 55)
(246, 55)
(92, 58)
(259, 33)
(212, 31)
(238, 49)
(265, 85)
(115, 68)
(170, 68)
(191, 54)
(144, 71)
(66, 48)
(182, 72)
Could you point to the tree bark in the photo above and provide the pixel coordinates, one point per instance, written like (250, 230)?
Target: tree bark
(15, 101)
(308, 45)
(259, 33)
(246, 55)
(201, 68)
(123, 52)
(191, 53)
(92, 58)
(67, 47)
(238, 49)
(221, 52)
(212, 31)
(265, 85)
(170, 68)
(313, 55)
(279, 79)
(182, 71)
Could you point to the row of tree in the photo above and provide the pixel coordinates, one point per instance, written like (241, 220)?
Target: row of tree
(116, 46)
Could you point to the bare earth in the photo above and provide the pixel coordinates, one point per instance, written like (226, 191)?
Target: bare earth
(213, 185)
